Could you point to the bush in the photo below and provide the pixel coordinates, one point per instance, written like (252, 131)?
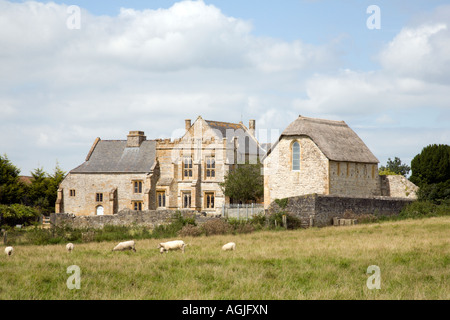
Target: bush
(18, 214)
(292, 221)
(216, 226)
(190, 231)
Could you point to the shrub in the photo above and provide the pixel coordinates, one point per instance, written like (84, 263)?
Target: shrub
(216, 226)
(190, 230)
(292, 221)
(18, 214)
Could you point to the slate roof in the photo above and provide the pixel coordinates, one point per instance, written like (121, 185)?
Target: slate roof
(113, 156)
(334, 138)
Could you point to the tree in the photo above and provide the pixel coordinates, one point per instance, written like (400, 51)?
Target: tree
(431, 172)
(395, 167)
(244, 184)
(44, 187)
(11, 189)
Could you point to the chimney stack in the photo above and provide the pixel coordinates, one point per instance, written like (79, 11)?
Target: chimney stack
(252, 126)
(187, 124)
(135, 138)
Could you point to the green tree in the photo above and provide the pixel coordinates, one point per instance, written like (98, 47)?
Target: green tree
(395, 167)
(44, 187)
(11, 189)
(244, 184)
(431, 172)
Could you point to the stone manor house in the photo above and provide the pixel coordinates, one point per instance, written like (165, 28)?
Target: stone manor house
(141, 174)
(311, 156)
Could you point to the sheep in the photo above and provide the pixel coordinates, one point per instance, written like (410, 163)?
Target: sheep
(9, 251)
(229, 246)
(69, 247)
(127, 245)
(171, 245)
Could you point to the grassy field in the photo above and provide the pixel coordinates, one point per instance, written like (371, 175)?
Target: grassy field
(327, 263)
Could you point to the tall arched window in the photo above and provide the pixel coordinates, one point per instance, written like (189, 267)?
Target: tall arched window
(296, 156)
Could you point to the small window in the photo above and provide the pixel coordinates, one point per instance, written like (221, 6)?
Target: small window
(99, 197)
(187, 168)
(72, 192)
(137, 205)
(209, 200)
(296, 156)
(137, 186)
(161, 198)
(210, 168)
(186, 199)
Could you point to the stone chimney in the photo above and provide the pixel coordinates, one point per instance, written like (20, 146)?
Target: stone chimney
(252, 126)
(135, 138)
(187, 124)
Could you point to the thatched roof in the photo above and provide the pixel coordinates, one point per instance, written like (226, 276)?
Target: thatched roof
(113, 156)
(334, 138)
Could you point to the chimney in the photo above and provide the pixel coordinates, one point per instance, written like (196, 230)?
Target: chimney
(252, 126)
(135, 138)
(187, 124)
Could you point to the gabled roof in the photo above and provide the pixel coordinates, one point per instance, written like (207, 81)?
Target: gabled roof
(334, 138)
(113, 156)
(252, 147)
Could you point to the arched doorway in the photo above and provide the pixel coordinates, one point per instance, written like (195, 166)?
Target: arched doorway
(99, 210)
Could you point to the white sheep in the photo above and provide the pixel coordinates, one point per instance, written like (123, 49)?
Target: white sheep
(171, 245)
(69, 247)
(229, 246)
(9, 251)
(127, 245)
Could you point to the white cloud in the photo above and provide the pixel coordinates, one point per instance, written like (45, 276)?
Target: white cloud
(151, 69)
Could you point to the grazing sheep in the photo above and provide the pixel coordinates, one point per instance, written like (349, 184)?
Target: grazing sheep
(171, 245)
(69, 247)
(9, 251)
(127, 245)
(229, 246)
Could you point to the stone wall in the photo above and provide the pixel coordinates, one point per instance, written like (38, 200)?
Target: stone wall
(354, 179)
(321, 209)
(399, 186)
(147, 218)
(281, 181)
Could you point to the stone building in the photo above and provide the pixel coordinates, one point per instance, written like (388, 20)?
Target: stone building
(317, 156)
(141, 174)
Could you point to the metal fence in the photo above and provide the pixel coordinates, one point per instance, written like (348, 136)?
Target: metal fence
(242, 211)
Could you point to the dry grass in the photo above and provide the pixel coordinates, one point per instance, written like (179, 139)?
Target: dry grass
(326, 263)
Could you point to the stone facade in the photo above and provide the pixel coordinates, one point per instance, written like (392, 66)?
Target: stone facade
(140, 174)
(280, 181)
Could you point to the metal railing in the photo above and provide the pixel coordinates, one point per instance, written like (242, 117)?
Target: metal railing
(242, 211)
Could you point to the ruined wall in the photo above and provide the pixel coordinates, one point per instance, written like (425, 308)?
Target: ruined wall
(323, 208)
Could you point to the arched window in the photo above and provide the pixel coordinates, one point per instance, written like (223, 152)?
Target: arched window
(296, 156)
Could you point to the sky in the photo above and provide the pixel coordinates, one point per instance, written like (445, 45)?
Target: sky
(74, 71)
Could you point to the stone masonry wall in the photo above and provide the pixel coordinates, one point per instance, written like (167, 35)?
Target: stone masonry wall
(86, 186)
(147, 218)
(323, 208)
(280, 181)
